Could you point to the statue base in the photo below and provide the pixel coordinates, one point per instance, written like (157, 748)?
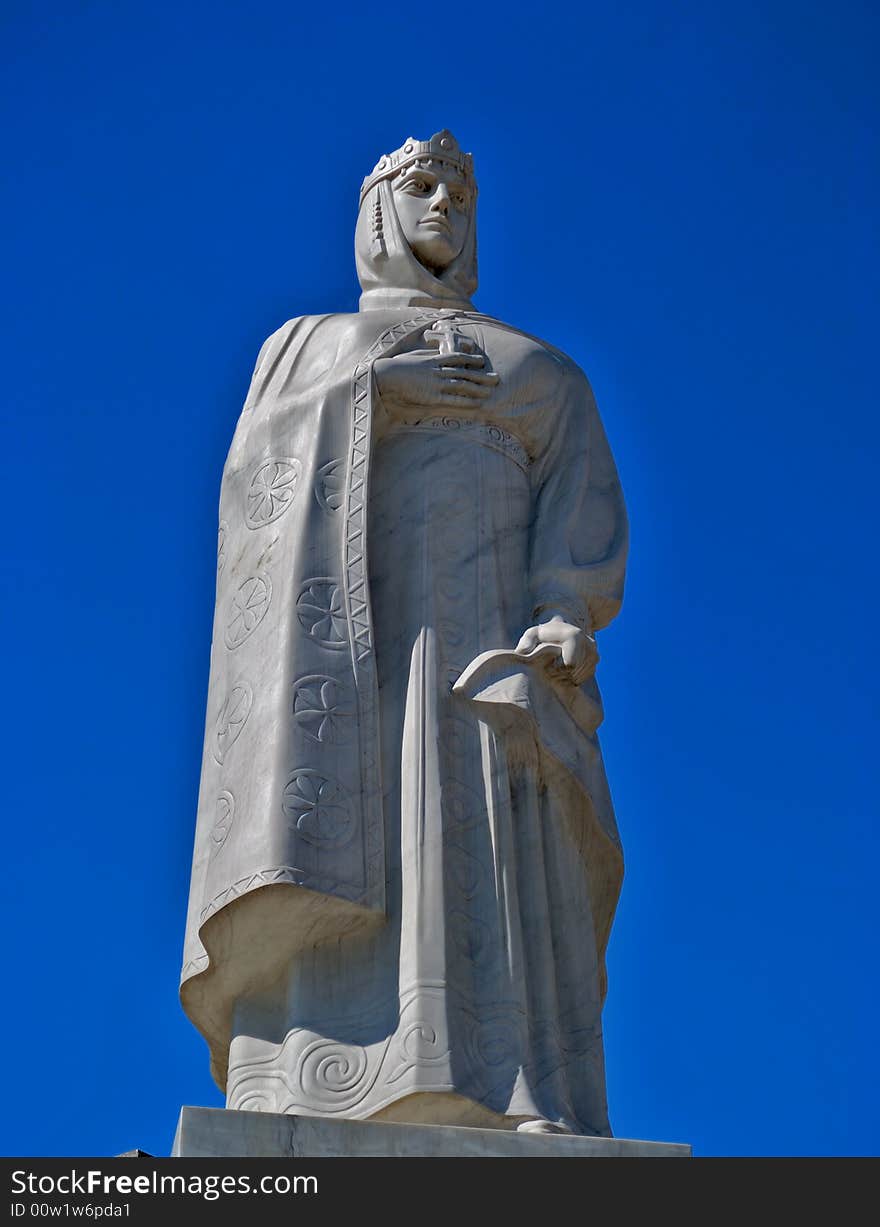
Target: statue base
(209, 1133)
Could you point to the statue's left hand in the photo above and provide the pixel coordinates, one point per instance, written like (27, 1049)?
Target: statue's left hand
(578, 653)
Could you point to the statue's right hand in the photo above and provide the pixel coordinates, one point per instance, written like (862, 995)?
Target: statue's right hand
(423, 377)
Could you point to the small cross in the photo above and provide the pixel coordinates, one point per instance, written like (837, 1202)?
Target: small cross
(444, 334)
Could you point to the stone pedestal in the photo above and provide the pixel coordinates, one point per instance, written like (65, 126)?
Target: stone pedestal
(207, 1133)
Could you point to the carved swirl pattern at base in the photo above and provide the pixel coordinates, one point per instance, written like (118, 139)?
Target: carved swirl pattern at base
(329, 1070)
(231, 719)
(498, 1039)
(248, 608)
(320, 809)
(319, 1073)
(257, 1101)
(420, 1043)
(272, 490)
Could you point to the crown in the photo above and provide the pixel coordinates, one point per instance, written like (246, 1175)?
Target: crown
(442, 147)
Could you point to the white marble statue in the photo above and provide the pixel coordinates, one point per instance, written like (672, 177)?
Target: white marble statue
(406, 862)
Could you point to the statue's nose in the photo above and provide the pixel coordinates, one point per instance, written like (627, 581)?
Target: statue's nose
(440, 203)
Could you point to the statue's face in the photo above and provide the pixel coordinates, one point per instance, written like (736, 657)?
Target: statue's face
(433, 204)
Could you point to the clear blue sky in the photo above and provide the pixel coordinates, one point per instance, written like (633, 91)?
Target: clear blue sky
(679, 195)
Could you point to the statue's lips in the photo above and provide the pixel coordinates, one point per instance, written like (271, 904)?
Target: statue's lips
(436, 223)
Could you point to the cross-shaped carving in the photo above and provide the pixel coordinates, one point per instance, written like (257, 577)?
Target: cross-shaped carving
(444, 334)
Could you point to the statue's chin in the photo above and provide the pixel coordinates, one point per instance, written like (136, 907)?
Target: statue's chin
(435, 257)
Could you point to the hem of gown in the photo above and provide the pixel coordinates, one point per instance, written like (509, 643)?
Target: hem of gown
(443, 1108)
(439, 1105)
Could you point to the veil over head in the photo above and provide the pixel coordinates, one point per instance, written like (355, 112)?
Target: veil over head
(390, 275)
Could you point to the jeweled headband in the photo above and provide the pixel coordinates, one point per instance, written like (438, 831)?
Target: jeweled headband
(442, 147)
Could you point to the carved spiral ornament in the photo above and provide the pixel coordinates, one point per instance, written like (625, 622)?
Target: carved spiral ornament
(331, 1072)
(421, 1042)
(461, 806)
(498, 1042)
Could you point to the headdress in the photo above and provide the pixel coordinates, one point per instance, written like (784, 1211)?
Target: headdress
(389, 273)
(442, 147)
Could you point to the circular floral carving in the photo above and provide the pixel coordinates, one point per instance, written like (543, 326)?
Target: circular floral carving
(231, 718)
(324, 708)
(222, 533)
(472, 937)
(330, 485)
(464, 869)
(272, 490)
(448, 589)
(249, 605)
(224, 814)
(320, 809)
(454, 498)
(498, 1040)
(575, 1038)
(458, 736)
(450, 633)
(320, 608)
(461, 806)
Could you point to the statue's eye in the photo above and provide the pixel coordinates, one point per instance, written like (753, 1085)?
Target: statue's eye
(459, 201)
(419, 185)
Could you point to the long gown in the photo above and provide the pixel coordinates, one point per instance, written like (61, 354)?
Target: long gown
(476, 996)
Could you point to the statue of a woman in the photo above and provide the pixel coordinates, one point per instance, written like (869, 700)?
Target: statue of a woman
(406, 862)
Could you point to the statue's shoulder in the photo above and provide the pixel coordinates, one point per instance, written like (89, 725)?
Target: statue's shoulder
(296, 329)
(570, 371)
(329, 331)
(573, 373)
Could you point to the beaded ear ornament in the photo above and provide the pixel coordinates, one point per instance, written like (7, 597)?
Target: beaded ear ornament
(377, 246)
